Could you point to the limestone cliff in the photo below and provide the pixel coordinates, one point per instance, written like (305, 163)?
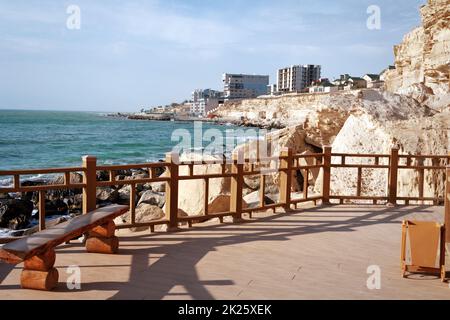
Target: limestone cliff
(321, 116)
(422, 60)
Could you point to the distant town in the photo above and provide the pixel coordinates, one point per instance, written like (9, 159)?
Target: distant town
(295, 79)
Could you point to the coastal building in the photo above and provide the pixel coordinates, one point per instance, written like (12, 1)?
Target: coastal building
(323, 86)
(244, 86)
(204, 100)
(296, 78)
(347, 82)
(272, 89)
(373, 80)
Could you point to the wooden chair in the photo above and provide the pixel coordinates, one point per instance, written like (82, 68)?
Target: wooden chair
(426, 248)
(37, 251)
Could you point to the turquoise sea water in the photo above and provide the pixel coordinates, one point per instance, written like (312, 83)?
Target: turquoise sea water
(40, 139)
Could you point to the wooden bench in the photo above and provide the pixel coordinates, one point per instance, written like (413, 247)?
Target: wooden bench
(37, 251)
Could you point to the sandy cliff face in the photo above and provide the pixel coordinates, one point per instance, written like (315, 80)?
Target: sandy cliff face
(422, 60)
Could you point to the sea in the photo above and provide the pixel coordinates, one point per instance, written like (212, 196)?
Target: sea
(43, 139)
(46, 139)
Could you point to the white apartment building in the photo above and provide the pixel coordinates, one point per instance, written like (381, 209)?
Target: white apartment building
(297, 77)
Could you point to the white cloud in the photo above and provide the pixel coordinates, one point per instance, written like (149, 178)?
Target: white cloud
(153, 22)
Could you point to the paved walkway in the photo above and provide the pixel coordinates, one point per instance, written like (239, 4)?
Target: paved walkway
(319, 253)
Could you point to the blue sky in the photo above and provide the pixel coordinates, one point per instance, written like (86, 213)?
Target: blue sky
(129, 54)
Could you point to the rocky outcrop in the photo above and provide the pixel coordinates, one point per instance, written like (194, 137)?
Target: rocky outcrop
(15, 213)
(422, 60)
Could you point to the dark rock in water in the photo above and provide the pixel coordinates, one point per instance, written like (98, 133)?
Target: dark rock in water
(4, 196)
(124, 172)
(15, 213)
(32, 183)
(56, 207)
(160, 170)
(102, 175)
(75, 203)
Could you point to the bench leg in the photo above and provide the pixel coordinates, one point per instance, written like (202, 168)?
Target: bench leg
(39, 273)
(102, 239)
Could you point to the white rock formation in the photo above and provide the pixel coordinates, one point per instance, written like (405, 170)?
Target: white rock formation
(422, 60)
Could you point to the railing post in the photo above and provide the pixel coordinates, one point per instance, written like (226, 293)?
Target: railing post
(90, 181)
(326, 174)
(172, 191)
(41, 210)
(447, 204)
(393, 172)
(286, 178)
(237, 182)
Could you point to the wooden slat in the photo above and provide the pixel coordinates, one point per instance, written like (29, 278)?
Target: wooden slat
(262, 189)
(206, 199)
(66, 178)
(305, 183)
(16, 181)
(133, 202)
(359, 182)
(41, 210)
(22, 249)
(112, 175)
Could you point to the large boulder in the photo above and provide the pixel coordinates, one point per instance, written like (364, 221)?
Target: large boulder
(107, 194)
(125, 195)
(192, 192)
(153, 198)
(252, 199)
(365, 134)
(15, 213)
(144, 213)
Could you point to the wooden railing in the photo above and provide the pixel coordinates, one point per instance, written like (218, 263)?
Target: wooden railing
(236, 169)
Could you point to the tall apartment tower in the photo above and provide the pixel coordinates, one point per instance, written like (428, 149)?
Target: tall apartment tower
(244, 86)
(298, 77)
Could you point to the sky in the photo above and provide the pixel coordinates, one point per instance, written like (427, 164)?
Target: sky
(131, 54)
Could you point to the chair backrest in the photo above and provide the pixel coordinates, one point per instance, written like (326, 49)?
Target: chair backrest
(424, 242)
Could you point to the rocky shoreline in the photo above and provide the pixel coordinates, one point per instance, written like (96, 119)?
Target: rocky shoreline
(238, 122)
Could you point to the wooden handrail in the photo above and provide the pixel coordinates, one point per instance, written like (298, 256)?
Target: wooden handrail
(285, 166)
